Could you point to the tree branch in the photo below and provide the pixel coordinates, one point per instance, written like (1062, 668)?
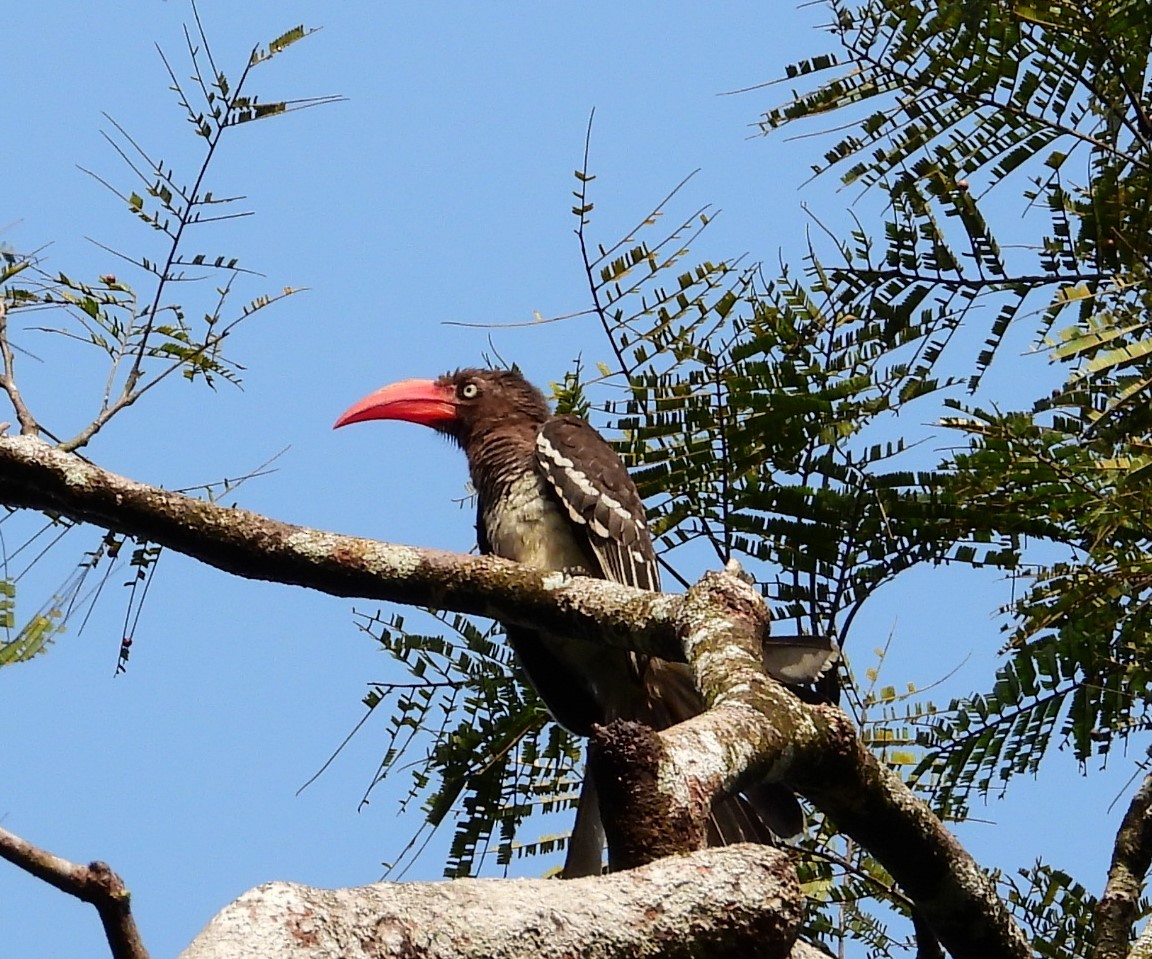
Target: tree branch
(1131, 857)
(35, 475)
(734, 902)
(754, 730)
(95, 883)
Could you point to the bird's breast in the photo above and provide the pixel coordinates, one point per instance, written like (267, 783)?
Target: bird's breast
(526, 525)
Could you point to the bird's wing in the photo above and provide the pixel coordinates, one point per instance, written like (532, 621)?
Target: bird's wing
(600, 498)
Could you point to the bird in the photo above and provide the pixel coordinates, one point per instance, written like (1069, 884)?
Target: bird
(552, 493)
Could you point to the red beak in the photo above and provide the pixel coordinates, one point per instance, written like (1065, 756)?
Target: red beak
(415, 401)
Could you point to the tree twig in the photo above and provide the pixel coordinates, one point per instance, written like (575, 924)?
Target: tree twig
(95, 883)
(582, 209)
(8, 379)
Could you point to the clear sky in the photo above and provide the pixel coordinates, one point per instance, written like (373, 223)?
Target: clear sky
(438, 193)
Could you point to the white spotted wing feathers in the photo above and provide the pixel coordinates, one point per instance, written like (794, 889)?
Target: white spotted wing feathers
(600, 498)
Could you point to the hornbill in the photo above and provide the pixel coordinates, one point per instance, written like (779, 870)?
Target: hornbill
(552, 494)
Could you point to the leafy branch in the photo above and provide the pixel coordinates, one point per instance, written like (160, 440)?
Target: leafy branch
(146, 341)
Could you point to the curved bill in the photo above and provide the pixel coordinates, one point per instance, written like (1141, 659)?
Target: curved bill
(414, 401)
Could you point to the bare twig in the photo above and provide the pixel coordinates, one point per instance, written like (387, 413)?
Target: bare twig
(582, 209)
(95, 883)
(537, 320)
(8, 380)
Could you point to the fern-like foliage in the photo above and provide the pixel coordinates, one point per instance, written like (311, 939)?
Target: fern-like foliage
(947, 104)
(1079, 643)
(145, 335)
(756, 409)
(953, 99)
(1053, 909)
(989, 83)
(489, 756)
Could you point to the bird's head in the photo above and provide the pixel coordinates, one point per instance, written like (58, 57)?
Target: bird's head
(458, 404)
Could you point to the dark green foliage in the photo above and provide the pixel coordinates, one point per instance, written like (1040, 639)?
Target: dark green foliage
(1079, 645)
(949, 104)
(490, 757)
(963, 95)
(569, 394)
(1054, 909)
(765, 439)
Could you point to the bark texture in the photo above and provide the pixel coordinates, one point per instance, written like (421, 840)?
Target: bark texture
(1119, 907)
(741, 902)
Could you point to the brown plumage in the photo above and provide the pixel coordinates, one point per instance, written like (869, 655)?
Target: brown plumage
(553, 494)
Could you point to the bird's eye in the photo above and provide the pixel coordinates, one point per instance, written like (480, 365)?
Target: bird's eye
(469, 391)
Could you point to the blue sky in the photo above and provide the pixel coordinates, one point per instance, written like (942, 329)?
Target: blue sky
(438, 193)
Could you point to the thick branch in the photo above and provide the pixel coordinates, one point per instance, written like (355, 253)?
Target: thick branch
(95, 883)
(735, 902)
(756, 729)
(36, 475)
(1131, 858)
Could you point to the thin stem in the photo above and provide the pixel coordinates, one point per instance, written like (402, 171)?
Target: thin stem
(182, 224)
(582, 209)
(28, 425)
(725, 462)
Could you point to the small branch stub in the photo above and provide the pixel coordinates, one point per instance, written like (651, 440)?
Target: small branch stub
(641, 821)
